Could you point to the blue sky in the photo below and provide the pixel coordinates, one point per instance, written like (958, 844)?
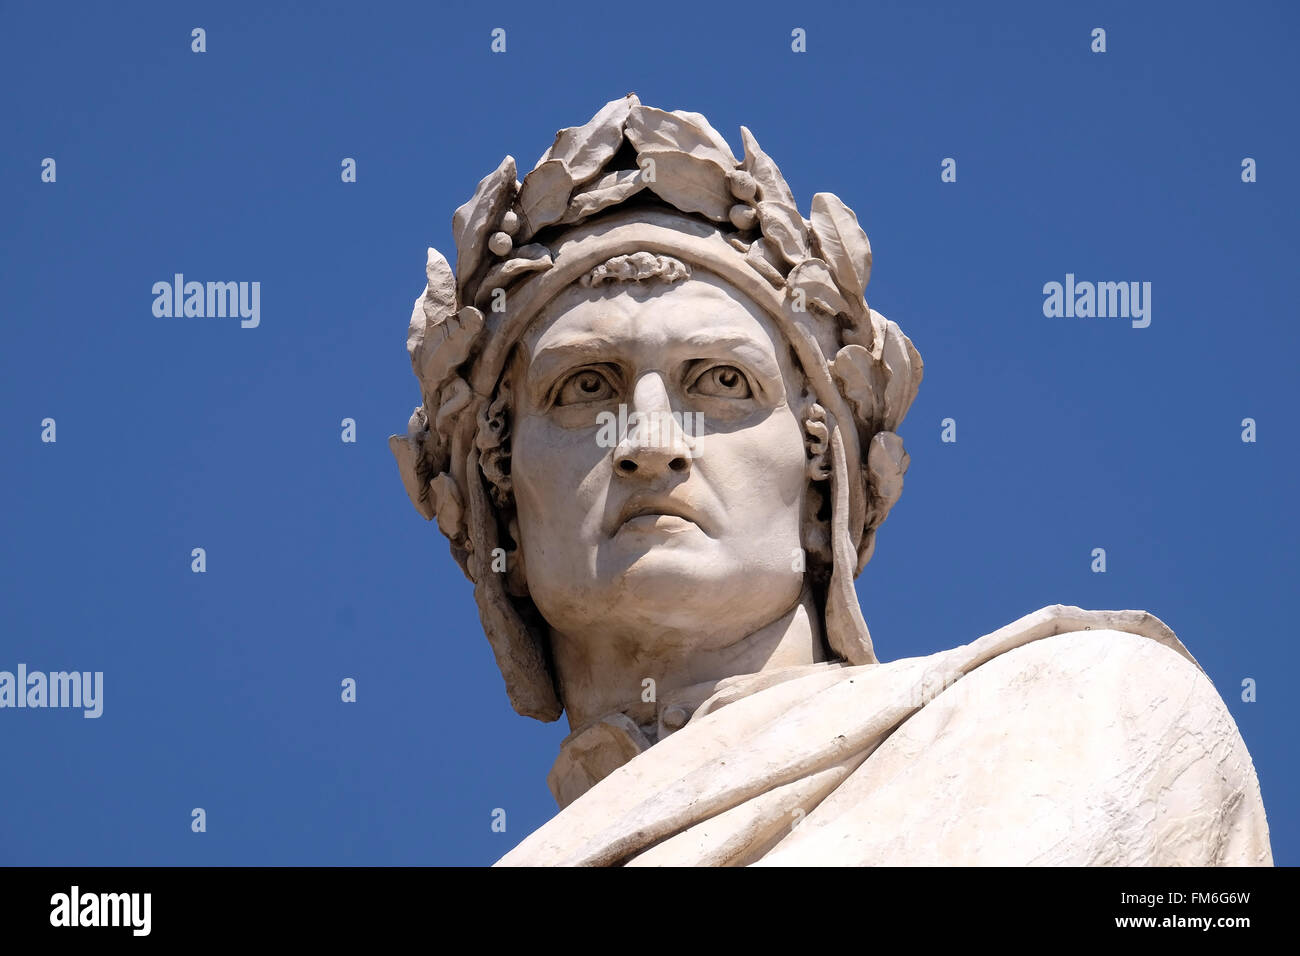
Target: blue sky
(222, 688)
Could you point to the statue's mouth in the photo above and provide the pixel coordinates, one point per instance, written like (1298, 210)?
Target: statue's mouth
(657, 513)
(668, 524)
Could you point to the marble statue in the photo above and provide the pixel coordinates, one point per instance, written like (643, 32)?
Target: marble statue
(659, 428)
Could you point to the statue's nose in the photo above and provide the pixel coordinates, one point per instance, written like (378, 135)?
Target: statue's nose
(654, 443)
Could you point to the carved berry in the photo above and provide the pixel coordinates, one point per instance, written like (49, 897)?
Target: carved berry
(742, 216)
(742, 184)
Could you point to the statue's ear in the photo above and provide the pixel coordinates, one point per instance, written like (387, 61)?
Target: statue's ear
(815, 520)
(817, 443)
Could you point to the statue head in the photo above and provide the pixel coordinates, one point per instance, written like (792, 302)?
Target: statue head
(656, 406)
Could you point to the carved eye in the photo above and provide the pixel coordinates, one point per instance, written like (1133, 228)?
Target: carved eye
(585, 385)
(723, 381)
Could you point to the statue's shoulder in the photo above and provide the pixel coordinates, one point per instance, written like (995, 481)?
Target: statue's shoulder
(1071, 639)
(1071, 737)
(1061, 620)
(1120, 669)
(1109, 717)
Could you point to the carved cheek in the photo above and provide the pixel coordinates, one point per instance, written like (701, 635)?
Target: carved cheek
(529, 466)
(759, 469)
(557, 475)
(787, 468)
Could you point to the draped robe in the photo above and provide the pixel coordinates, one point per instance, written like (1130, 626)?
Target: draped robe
(1068, 737)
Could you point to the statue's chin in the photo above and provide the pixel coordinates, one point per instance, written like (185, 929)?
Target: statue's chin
(686, 581)
(659, 574)
(659, 557)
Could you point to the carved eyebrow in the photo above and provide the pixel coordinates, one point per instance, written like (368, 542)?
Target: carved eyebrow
(587, 349)
(564, 355)
(754, 353)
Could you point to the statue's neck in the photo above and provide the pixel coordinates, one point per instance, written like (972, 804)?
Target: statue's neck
(598, 677)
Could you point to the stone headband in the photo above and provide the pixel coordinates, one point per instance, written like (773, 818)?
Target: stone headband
(636, 179)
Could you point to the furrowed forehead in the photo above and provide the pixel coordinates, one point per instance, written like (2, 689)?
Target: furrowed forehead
(703, 313)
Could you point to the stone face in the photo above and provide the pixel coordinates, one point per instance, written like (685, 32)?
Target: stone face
(659, 429)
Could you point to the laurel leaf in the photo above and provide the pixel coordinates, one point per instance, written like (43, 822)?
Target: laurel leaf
(771, 184)
(447, 505)
(439, 299)
(902, 365)
(698, 121)
(544, 196)
(608, 190)
(447, 345)
(472, 222)
(858, 329)
(814, 277)
(530, 258)
(690, 182)
(844, 245)
(767, 265)
(784, 230)
(650, 128)
(860, 380)
(407, 453)
(887, 462)
(415, 332)
(586, 149)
